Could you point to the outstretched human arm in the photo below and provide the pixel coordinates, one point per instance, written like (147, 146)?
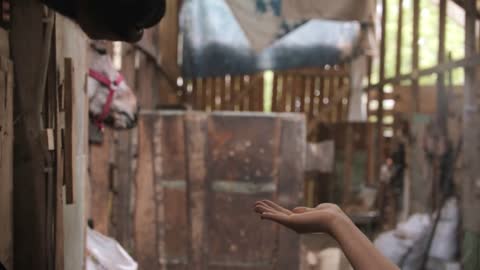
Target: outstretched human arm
(329, 218)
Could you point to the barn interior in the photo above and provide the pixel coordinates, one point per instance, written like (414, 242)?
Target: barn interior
(151, 155)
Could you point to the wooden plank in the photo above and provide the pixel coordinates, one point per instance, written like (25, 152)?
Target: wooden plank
(122, 219)
(167, 44)
(310, 95)
(302, 93)
(145, 228)
(290, 185)
(283, 93)
(471, 132)
(100, 183)
(466, 62)
(442, 99)
(398, 54)
(415, 53)
(31, 245)
(260, 92)
(381, 94)
(295, 91)
(59, 179)
(69, 134)
(242, 168)
(275, 93)
(322, 72)
(195, 147)
(223, 94)
(6, 163)
(171, 190)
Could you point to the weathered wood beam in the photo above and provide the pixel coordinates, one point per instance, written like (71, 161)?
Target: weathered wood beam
(415, 52)
(442, 102)
(380, 111)
(398, 58)
(471, 132)
(471, 61)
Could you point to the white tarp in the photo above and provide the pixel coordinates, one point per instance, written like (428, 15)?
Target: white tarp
(342, 10)
(264, 21)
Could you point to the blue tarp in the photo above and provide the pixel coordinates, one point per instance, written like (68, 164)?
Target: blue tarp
(214, 44)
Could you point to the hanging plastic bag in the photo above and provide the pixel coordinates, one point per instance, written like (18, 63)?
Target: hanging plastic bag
(104, 253)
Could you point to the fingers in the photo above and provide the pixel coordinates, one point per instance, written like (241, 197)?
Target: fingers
(277, 207)
(269, 206)
(279, 218)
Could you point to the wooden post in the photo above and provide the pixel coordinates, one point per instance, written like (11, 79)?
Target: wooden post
(6, 154)
(415, 53)
(29, 185)
(196, 167)
(167, 50)
(398, 60)
(380, 96)
(442, 102)
(471, 147)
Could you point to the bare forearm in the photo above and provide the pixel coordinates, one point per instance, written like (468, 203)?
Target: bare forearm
(359, 250)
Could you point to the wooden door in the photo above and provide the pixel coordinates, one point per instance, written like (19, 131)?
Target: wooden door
(198, 177)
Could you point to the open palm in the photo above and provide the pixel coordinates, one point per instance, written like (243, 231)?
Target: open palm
(300, 219)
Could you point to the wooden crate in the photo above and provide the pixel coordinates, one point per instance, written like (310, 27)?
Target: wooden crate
(197, 178)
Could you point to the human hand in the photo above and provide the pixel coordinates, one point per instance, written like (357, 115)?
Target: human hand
(301, 219)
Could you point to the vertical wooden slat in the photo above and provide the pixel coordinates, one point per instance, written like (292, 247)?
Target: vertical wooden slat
(213, 93)
(331, 94)
(313, 87)
(294, 90)
(195, 93)
(415, 53)
(283, 93)
(210, 101)
(6, 160)
(275, 93)
(69, 134)
(398, 58)
(442, 99)
(302, 94)
(204, 94)
(145, 229)
(260, 91)
(234, 89)
(223, 93)
(241, 88)
(228, 92)
(292, 166)
(380, 96)
(196, 167)
(471, 144)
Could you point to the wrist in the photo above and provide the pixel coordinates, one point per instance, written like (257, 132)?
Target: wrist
(338, 222)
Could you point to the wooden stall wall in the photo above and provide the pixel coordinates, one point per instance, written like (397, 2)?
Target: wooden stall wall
(321, 93)
(50, 148)
(6, 151)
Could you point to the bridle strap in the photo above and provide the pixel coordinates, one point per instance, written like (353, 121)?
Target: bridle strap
(105, 81)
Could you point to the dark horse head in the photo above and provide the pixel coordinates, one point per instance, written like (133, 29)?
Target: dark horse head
(122, 20)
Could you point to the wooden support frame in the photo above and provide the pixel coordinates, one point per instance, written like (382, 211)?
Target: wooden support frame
(471, 61)
(380, 111)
